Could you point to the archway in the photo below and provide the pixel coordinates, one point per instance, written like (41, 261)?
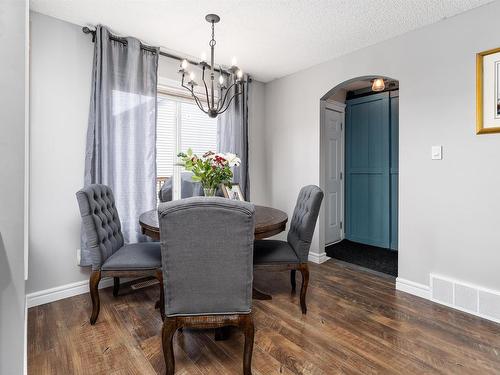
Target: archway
(359, 172)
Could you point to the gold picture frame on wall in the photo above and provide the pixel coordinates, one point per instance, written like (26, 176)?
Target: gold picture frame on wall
(488, 92)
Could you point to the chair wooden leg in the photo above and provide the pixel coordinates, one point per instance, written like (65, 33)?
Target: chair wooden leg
(292, 280)
(116, 286)
(168, 332)
(95, 277)
(221, 334)
(304, 270)
(249, 331)
(159, 276)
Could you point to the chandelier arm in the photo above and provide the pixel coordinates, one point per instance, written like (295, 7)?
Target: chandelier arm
(220, 98)
(198, 103)
(229, 102)
(227, 92)
(196, 99)
(206, 88)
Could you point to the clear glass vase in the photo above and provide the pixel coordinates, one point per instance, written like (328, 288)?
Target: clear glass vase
(209, 192)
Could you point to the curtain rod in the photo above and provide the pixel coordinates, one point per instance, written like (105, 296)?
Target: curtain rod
(87, 30)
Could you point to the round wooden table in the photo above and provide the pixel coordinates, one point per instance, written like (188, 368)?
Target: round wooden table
(268, 222)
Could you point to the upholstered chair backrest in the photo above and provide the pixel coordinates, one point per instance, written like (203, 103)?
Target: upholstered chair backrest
(165, 193)
(207, 255)
(100, 222)
(189, 188)
(304, 220)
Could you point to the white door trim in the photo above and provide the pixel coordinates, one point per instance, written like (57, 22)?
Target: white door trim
(338, 107)
(335, 106)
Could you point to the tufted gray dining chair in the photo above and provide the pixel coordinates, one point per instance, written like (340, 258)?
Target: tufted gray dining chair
(207, 253)
(292, 254)
(110, 255)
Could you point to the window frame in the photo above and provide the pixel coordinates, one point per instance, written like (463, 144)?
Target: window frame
(175, 94)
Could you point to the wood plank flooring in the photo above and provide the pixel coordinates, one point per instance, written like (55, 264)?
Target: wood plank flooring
(356, 324)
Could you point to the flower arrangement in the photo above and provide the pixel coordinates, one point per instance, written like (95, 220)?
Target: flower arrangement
(211, 169)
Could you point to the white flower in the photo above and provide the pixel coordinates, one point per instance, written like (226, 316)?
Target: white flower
(232, 159)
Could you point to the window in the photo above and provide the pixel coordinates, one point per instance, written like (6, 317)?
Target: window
(181, 125)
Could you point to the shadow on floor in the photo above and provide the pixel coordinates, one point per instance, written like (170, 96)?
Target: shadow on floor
(371, 257)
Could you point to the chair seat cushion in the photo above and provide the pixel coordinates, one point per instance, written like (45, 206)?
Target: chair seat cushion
(273, 251)
(141, 256)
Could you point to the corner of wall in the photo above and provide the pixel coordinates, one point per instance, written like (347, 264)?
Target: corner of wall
(318, 258)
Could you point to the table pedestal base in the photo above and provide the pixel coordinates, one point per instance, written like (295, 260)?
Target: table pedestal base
(260, 296)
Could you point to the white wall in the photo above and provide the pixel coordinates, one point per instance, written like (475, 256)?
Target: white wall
(61, 67)
(13, 16)
(61, 60)
(449, 210)
(256, 144)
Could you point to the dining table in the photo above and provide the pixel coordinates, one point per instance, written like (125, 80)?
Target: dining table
(269, 221)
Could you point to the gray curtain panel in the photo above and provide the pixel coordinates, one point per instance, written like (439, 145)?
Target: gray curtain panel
(232, 134)
(121, 136)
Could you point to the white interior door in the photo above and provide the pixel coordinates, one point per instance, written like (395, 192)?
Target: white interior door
(334, 123)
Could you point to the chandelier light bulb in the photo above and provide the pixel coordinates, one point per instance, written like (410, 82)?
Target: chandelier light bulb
(234, 61)
(192, 76)
(221, 80)
(203, 56)
(184, 64)
(239, 74)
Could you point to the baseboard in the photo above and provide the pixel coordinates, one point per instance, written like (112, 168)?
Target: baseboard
(64, 291)
(411, 287)
(318, 258)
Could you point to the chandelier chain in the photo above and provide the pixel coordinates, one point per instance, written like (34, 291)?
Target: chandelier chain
(212, 42)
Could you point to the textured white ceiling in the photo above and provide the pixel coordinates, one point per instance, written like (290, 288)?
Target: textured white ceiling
(270, 38)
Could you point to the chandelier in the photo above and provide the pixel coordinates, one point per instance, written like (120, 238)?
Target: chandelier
(214, 105)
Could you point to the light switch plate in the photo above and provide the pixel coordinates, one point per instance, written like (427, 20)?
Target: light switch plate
(437, 152)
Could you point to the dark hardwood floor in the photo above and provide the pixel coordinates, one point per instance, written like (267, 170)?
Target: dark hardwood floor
(356, 324)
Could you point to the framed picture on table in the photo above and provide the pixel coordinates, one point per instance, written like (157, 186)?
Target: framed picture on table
(488, 91)
(233, 192)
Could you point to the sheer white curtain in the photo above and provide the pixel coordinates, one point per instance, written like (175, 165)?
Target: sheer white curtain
(121, 135)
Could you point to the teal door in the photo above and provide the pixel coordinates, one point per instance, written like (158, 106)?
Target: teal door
(369, 200)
